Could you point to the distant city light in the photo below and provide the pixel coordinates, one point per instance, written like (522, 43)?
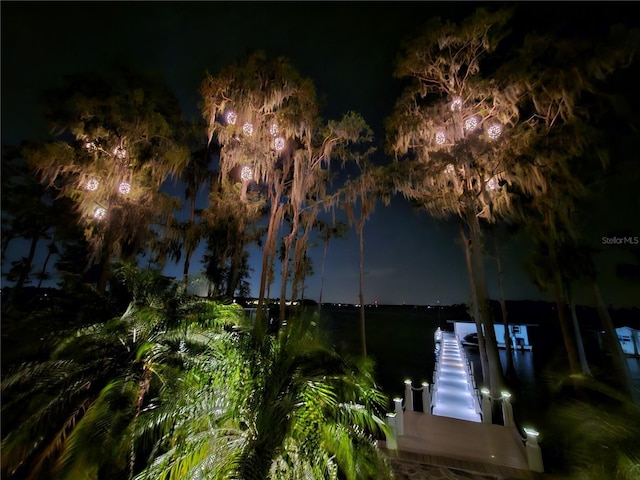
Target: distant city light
(278, 144)
(456, 104)
(494, 131)
(273, 129)
(99, 213)
(440, 137)
(124, 188)
(471, 123)
(231, 117)
(247, 129)
(92, 185)
(246, 173)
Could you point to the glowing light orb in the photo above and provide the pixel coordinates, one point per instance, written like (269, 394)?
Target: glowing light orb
(99, 213)
(278, 144)
(494, 131)
(449, 169)
(90, 146)
(273, 129)
(456, 104)
(120, 153)
(246, 174)
(471, 123)
(92, 185)
(231, 117)
(247, 129)
(492, 184)
(124, 188)
(440, 137)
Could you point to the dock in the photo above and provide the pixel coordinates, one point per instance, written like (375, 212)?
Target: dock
(451, 434)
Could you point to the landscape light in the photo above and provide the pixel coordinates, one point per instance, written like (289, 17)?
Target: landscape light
(92, 185)
(278, 144)
(247, 129)
(273, 129)
(246, 173)
(231, 117)
(440, 137)
(494, 131)
(471, 123)
(124, 188)
(456, 104)
(99, 213)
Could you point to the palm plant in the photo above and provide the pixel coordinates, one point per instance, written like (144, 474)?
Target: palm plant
(282, 406)
(74, 415)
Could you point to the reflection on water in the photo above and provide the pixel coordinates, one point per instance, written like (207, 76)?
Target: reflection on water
(402, 345)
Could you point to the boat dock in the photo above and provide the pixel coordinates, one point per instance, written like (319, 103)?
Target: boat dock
(452, 433)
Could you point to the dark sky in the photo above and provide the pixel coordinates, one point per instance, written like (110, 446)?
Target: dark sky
(348, 49)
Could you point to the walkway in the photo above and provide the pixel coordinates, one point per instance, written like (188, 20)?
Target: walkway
(453, 393)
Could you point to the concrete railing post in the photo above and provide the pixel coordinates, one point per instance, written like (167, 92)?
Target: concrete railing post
(390, 436)
(426, 398)
(399, 417)
(534, 455)
(408, 396)
(486, 406)
(507, 410)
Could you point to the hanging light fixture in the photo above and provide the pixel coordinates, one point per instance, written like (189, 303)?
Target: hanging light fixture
(92, 185)
(492, 184)
(231, 117)
(278, 144)
(246, 174)
(99, 213)
(120, 153)
(441, 137)
(124, 188)
(273, 129)
(449, 169)
(456, 104)
(247, 129)
(471, 123)
(494, 131)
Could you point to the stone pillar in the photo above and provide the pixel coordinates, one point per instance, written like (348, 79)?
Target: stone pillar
(408, 396)
(487, 416)
(390, 436)
(507, 410)
(399, 416)
(426, 398)
(534, 455)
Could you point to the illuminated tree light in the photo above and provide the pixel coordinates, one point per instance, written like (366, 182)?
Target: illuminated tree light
(247, 129)
(449, 169)
(456, 104)
(246, 174)
(90, 146)
(273, 129)
(124, 188)
(471, 123)
(92, 185)
(231, 117)
(492, 184)
(120, 153)
(494, 131)
(99, 213)
(440, 137)
(278, 144)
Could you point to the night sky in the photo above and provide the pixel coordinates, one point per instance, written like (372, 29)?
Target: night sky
(348, 49)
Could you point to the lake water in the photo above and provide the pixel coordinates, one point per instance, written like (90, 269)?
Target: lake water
(401, 342)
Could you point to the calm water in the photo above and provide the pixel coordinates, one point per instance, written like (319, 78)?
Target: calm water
(400, 341)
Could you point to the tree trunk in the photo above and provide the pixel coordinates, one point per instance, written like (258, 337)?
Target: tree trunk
(50, 251)
(267, 254)
(511, 370)
(613, 343)
(584, 365)
(482, 351)
(567, 334)
(363, 334)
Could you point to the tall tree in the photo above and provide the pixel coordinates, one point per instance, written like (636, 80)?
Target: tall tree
(327, 232)
(265, 117)
(117, 145)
